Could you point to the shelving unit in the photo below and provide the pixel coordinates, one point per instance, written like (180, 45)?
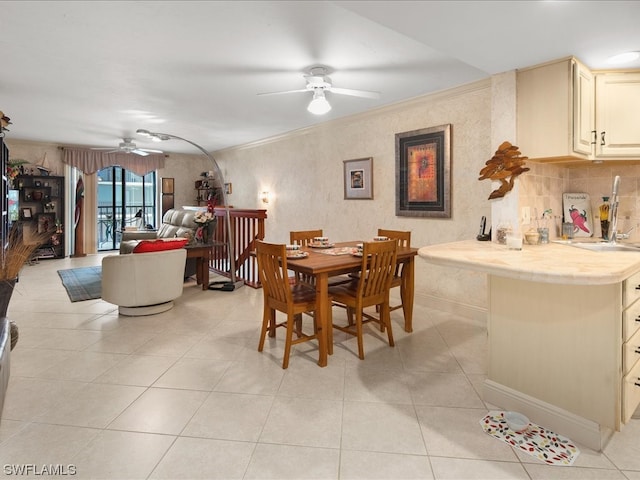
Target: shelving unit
(41, 207)
(204, 188)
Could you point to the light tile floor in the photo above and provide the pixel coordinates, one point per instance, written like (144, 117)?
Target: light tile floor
(185, 394)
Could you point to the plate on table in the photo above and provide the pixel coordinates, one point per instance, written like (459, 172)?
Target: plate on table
(322, 245)
(297, 255)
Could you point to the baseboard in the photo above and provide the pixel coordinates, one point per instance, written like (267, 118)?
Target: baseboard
(560, 421)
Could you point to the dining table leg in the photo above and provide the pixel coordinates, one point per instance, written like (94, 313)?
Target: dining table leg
(407, 294)
(322, 315)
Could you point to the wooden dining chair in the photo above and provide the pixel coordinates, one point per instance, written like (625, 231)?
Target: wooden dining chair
(280, 296)
(304, 237)
(370, 289)
(404, 240)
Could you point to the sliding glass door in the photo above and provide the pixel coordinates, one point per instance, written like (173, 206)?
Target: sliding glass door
(125, 200)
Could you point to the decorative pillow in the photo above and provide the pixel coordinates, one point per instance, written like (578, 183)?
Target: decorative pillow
(145, 246)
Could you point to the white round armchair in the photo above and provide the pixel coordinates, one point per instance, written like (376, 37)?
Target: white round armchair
(143, 283)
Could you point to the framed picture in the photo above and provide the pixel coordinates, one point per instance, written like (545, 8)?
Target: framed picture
(25, 213)
(228, 188)
(423, 172)
(167, 186)
(358, 179)
(46, 222)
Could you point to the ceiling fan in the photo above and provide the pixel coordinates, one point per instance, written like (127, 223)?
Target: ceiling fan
(318, 83)
(127, 146)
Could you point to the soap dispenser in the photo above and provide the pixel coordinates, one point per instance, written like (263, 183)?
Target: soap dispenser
(604, 217)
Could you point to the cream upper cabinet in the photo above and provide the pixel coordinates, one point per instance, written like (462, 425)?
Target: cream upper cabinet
(555, 110)
(566, 113)
(617, 115)
(583, 109)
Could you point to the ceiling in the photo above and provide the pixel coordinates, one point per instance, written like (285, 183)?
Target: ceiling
(90, 73)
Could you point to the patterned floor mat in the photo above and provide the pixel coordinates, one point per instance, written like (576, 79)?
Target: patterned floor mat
(537, 441)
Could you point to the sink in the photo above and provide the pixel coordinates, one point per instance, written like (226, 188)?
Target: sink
(603, 246)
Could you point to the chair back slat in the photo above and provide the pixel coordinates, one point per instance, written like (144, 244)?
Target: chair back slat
(378, 267)
(272, 270)
(403, 239)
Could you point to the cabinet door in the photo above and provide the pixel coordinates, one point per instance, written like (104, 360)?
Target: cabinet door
(618, 115)
(583, 109)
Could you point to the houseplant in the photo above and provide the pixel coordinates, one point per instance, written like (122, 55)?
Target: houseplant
(204, 221)
(16, 253)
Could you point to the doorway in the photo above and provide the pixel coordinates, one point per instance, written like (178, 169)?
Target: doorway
(125, 200)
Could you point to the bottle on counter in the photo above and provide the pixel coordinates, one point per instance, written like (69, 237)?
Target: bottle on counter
(604, 218)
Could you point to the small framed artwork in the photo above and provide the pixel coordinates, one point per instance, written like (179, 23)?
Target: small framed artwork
(37, 183)
(228, 188)
(25, 213)
(46, 222)
(423, 172)
(358, 179)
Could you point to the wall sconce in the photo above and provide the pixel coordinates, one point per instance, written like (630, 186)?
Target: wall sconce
(265, 197)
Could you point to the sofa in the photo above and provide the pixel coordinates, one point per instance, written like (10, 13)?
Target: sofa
(144, 283)
(176, 222)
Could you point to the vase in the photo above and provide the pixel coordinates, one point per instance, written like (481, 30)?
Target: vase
(6, 290)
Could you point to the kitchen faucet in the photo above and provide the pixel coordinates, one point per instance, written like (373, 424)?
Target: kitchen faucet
(613, 211)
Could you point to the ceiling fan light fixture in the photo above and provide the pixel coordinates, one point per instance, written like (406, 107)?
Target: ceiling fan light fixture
(319, 105)
(623, 58)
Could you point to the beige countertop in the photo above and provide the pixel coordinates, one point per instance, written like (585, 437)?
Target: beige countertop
(549, 263)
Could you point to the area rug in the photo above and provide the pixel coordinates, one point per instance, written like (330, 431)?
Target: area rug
(537, 441)
(82, 283)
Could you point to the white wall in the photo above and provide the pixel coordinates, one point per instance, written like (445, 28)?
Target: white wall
(303, 171)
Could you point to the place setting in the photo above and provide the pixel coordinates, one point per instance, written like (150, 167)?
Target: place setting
(294, 252)
(321, 242)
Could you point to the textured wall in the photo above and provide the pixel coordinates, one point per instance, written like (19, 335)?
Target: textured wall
(303, 172)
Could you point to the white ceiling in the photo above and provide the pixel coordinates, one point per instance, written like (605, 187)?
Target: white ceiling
(90, 73)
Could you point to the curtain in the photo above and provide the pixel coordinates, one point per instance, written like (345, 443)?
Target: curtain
(90, 161)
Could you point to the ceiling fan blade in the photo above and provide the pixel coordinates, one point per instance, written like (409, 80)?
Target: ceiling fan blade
(355, 93)
(148, 150)
(280, 93)
(142, 153)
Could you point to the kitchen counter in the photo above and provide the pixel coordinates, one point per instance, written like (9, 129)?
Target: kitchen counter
(549, 263)
(563, 329)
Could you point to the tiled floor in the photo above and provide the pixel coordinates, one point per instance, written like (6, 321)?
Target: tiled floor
(185, 394)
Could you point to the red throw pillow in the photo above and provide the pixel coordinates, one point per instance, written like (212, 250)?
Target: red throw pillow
(146, 246)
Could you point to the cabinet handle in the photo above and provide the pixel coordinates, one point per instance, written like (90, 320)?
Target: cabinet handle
(602, 142)
(637, 287)
(637, 384)
(637, 350)
(595, 137)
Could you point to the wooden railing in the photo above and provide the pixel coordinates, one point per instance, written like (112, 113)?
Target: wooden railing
(247, 226)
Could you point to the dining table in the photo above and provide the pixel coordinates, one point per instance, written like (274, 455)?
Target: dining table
(339, 259)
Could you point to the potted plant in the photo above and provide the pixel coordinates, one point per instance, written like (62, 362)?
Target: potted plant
(13, 257)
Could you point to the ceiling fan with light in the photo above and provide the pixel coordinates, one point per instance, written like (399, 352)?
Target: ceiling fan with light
(127, 146)
(318, 83)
